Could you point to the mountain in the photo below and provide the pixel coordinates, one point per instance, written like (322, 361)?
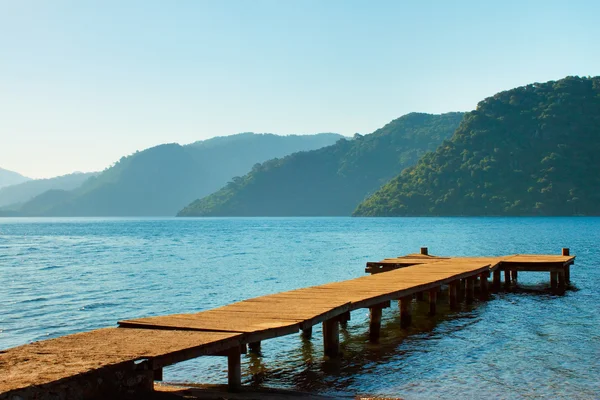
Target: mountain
(8, 178)
(23, 192)
(161, 180)
(533, 150)
(332, 180)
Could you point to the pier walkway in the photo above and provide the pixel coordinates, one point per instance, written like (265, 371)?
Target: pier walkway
(129, 358)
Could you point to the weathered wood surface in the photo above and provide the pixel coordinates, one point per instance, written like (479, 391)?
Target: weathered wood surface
(70, 356)
(165, 340)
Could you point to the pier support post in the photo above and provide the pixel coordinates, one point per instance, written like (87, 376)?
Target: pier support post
(254, 347)
(460, 296)
(483, 287)
(331, 337)
(344, 318)
(374, 323)
(307, 333)
(452, 294)
(553, 280)
(405, 312)
(497, 278)
(507, 279)
(562, 285)
(470, 289)
(424, 251)
(433, 301)
(514, 275)
(158, 374)
(234, 369)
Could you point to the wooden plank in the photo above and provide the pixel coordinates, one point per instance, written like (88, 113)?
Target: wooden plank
(70, 356)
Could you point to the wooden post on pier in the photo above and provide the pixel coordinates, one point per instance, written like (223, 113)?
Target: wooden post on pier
(470, 289)
(460, 296)
(344, 318)
(562, 285)
(424, 251)
(566, 252)
(331, 337)
(483, 287)
(553, 280)
(497, 279)
(433, 301)
(234, 369)
(374, 322)
(158, 374)
(452, 294)
(507, 279)
(254, 347)
(405, 312)
(514, 275)
(307, 333)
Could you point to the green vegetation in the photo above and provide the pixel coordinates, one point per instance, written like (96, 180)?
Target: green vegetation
(331, 180)
(534, 150)
(161, 180)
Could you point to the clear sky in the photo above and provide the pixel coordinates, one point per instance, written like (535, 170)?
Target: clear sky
(83, 83)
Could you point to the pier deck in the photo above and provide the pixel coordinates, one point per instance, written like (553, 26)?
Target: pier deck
(129, 358)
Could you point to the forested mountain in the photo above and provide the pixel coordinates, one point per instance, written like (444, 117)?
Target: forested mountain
(8, 178)
(331, 180)
(161, 180)
(22, 192)
(533, 150)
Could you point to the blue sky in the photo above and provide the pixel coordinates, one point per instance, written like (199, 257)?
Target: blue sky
(83, 83)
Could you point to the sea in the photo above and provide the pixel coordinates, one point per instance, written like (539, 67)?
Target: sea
(61, 276)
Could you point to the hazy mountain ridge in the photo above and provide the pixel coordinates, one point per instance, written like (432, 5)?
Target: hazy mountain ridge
(159, 181)
(331, 180)
(23, 192)
(533, 150)
(8, 178)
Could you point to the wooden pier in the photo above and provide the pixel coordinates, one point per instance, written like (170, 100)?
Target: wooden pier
(128, 359)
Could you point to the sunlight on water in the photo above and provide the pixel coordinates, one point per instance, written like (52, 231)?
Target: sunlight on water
(67, 275)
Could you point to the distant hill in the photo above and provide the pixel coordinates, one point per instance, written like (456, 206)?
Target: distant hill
(23, 192)
(8, 178)
(332, 180)
(161, 180)
(533, 150)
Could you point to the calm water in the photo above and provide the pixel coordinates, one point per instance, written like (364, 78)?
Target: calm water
(59, 276)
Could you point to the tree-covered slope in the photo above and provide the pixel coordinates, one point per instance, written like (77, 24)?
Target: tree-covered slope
(8, 178)
(533, 150)
(331, 180)
(26, 191)
(161, 180)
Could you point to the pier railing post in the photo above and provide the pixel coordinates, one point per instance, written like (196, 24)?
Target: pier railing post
(567, 252)
(424, 251)
(331, 337)
(234, 369)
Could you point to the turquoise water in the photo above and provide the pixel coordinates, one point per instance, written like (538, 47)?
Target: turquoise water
(59, 276)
